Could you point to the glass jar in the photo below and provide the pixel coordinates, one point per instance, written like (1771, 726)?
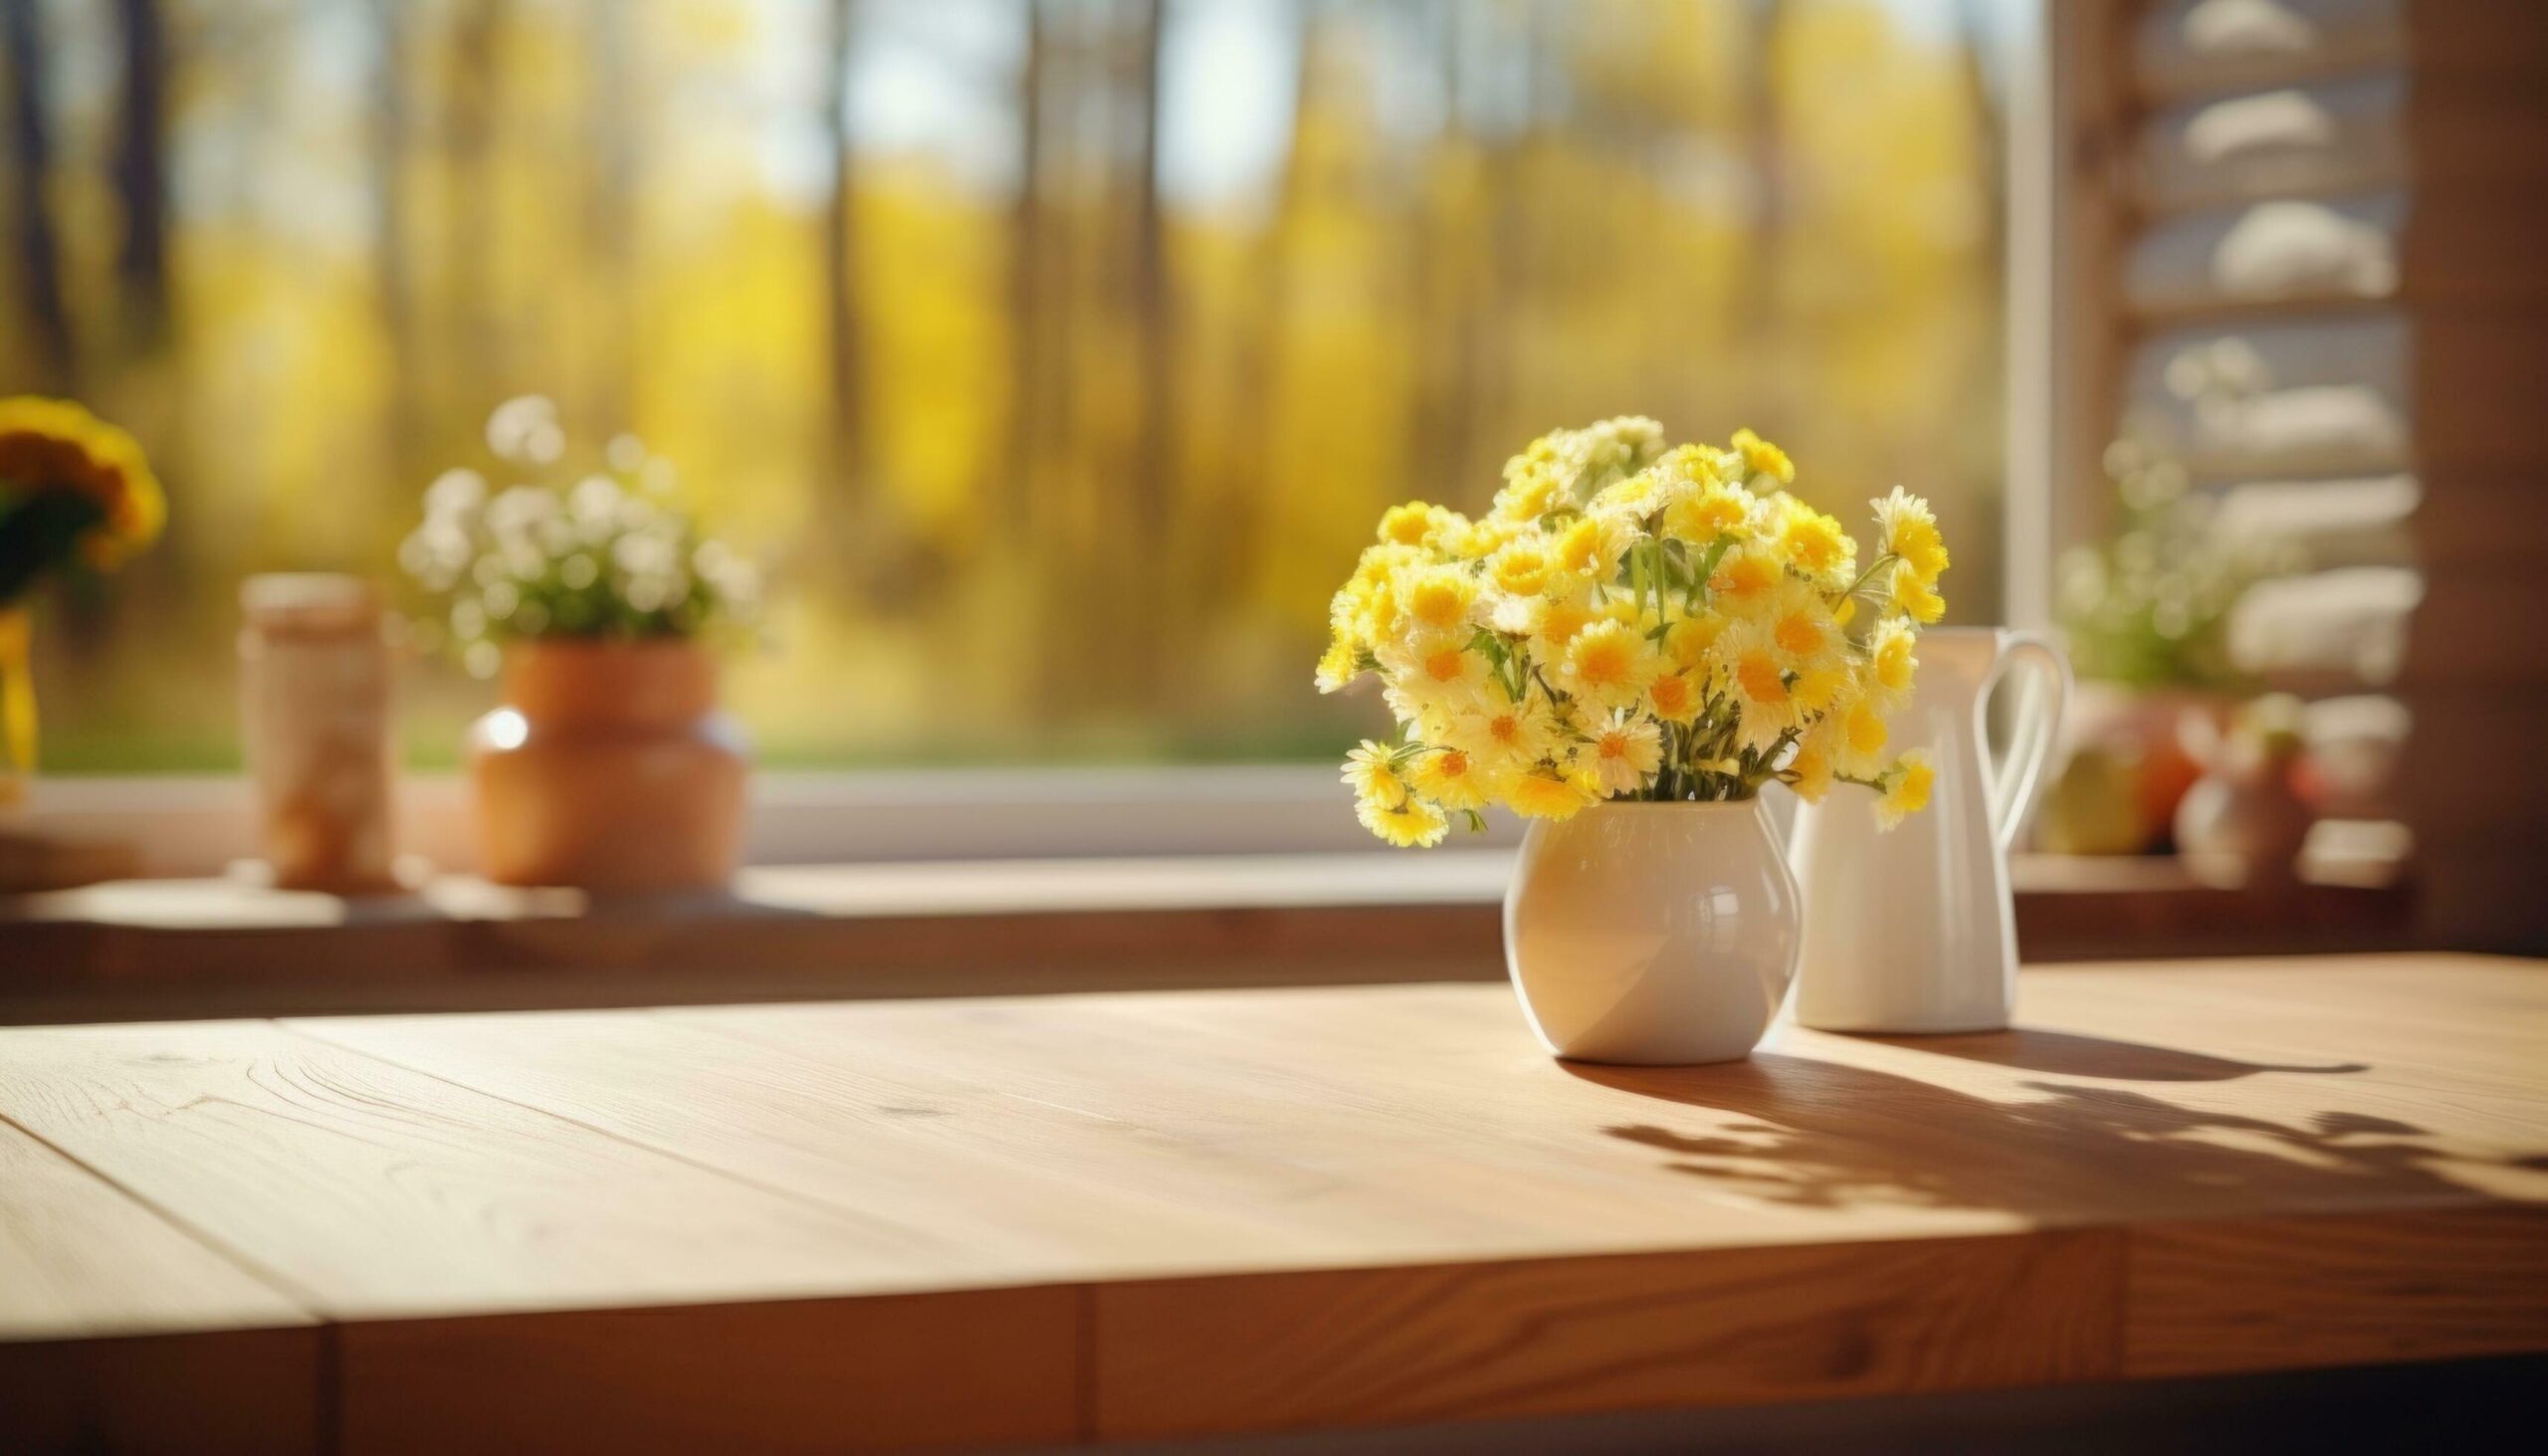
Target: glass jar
(314, 695)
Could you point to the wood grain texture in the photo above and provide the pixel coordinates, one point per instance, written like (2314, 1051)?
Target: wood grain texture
(2286, 1293)
(1529, 1339)
(374, 1191)
(982, 1368)
(1222, 1211)
(253, 1393)
(78, 1258)
(1004, 1188)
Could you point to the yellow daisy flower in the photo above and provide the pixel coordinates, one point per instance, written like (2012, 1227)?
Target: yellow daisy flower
(1516, 616)
(1800, 627)
(1533, 457)
(1891, 666)
(1559, 622)
(1548, 791)
(1529, 495)
(1501, 736)
(1823, 689)
(1409, 823)
(1761, 458)
(1762, 690)
(1480, 540)
(1524, 567)
(1449, 778)
(1860, 736)
(1625, 753)
(1379, 566)
(1907, 528)
(1439, 597)
(1428, 671)
(1372, 770)
(1688, 467)
(1906, 791)
(1913, 597)
(1590, 548)
(1609, 664)
(1814, 544)
(1716, 509)
(1746, 582)
(1674, 697)
(1689, 641)
(1340, 664)
(1811, 765)
(1417, 524)
(1633, 499)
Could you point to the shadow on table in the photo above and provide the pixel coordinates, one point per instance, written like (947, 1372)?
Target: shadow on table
(1814, 1133)
(2068, 1054)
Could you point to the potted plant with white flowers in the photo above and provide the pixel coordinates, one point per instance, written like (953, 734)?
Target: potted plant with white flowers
(1624, 650)
(594, 596)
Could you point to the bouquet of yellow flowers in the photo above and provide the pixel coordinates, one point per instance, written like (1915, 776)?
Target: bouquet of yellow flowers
(1632, 621)
(73, 488)
(74, 491)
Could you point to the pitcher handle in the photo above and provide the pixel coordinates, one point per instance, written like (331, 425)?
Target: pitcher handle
(2018, 776)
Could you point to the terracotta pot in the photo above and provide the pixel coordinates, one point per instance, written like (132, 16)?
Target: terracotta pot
(608, 768)
(2243, 827)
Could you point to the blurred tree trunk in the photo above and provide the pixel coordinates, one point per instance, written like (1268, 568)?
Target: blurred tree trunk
(1977, 454)
(1057, 560)
(1760, 304)
(1232, 530)
(1154, 617)
(392, 262)
(142, 172)
(1151, 297)
(1069, 274)
(1441, 282)
(1507, 244)
(1421, 281)
(610, 224)
(852, 460)
(47, 312)
(1465, 454)
(476, 105)
(1989, 126)
(1020, 478)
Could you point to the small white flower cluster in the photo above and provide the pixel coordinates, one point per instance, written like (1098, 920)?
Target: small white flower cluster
(608, 557)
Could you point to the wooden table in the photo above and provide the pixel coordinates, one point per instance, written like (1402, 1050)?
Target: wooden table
(1044, 1219)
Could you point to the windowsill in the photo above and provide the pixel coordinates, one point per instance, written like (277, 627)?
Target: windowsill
(194, 947)
(192, 826)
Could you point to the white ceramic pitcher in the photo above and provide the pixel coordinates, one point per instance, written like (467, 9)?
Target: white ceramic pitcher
(1914, 930)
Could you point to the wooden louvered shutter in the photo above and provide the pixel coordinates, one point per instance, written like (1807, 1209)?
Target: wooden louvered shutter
(2344, 203)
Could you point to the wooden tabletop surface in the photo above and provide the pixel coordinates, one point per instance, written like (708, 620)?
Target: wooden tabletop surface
(1040, 1219)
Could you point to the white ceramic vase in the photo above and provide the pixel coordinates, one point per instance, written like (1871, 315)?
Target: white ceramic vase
(1654, 934)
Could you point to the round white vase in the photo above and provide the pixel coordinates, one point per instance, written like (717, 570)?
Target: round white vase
(1653, 934)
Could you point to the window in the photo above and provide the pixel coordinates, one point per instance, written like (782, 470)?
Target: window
(1056, 357)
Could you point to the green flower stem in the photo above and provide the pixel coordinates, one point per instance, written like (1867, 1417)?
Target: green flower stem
(1883, 559)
